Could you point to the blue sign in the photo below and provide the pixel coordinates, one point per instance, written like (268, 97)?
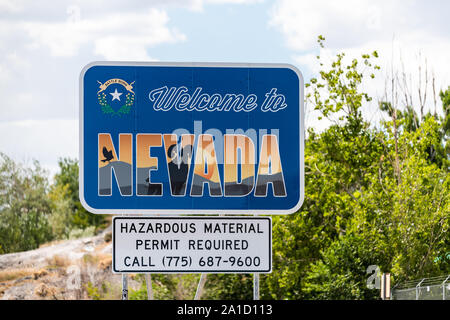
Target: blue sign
(191, 138)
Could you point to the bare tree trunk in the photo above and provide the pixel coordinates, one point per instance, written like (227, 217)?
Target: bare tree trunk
(422, 98)
(397, 162)
(433, 83)
(394, 99)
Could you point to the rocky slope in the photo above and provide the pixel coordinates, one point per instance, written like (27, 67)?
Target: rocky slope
(70, 269)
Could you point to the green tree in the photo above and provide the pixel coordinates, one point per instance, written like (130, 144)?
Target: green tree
(338, 163)
(228, 286)
(397, 215)
(374, 195)
(62, 211)
(337, 166)
(24, 206)
(67, 205)
(445, 131)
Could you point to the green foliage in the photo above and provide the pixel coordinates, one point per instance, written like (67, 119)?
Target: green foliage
(445, 97)
(338, 166)
(65, 194)
(82, 233)
(373, 196)
(139, 294)
(416, 205)
(33, 212)
(107, 109)
(61, 211)
(167, 287)
(341, 271)
(359, 208)
(238, 287)
(93, 292)
(24, 206)
(342, 84)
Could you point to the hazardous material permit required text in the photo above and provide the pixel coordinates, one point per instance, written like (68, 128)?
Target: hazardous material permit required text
(192, 244)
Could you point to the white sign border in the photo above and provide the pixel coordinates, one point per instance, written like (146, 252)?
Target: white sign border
(192, 211)
(192, 271)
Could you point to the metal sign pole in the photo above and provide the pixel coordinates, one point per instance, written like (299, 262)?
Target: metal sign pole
(201, 282)
(256, 286)
(148, 280)
(124, 286)
(124, 283)
(201, 285)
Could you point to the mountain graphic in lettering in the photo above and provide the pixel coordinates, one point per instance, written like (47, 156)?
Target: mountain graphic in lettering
(142, 177)
(122, 170)
(199, 182)
(248, 185)
(235, 188)
(277, 181)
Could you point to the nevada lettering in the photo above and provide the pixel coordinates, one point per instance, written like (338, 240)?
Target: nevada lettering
(239, 175)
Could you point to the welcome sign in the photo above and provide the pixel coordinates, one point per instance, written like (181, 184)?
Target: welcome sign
(190, 138)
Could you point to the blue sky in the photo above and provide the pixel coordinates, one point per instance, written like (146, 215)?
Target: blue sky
(44, 45)
(226, 33)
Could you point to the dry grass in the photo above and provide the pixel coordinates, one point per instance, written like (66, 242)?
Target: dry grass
(44, 290)
(89, 259)
(40, 273)
(108, 237)
(101, 260)
(51, 243)
(8, 275)
(105, 262)
(5, 286)
(59, 261)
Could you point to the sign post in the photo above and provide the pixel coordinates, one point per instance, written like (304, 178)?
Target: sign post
(148, 280)
(200, 286)
(124, 286)
(191, 139)
(256, 286)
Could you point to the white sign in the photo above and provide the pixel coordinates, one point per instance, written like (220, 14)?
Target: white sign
(192, 245)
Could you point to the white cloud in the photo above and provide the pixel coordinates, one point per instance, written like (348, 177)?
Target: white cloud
(198, 5)
(11, 62)
(404, 33)
(44, 140)
(44, 45)
(41, 53)
(118, 36)
(302, 21)
(233, 1)
(9, 6)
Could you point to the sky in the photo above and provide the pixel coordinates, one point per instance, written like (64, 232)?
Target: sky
(44, 44)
